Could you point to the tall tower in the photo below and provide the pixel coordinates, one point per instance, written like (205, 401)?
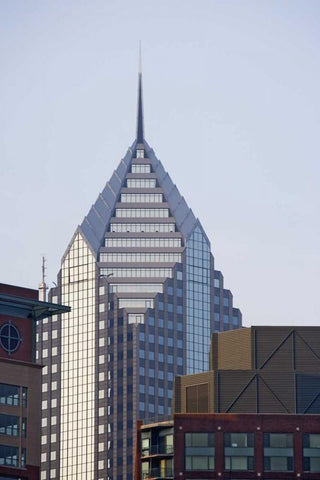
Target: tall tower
(139, 276)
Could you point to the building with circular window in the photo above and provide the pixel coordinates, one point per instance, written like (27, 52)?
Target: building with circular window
(10, 337)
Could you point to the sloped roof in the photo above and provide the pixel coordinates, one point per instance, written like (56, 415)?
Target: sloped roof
(95, 224)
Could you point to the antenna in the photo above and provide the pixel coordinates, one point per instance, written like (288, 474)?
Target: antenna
(43, 286)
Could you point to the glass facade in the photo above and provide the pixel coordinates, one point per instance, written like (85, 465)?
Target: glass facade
(141, 197)
(76, 446)
(198, 302)
(136, 272)
(141, 183)
(143, 227)
(142, 212)
(143, 242)
(131, 257)
(140, 286)
(140, 168)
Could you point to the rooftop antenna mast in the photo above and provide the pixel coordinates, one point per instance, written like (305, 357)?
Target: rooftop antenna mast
(43, 286)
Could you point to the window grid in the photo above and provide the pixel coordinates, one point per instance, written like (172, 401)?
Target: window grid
(140, 168)
(142, 212)
(141, 182)
(143, 242)
(142, 227)
(137, 272)
(138, 257)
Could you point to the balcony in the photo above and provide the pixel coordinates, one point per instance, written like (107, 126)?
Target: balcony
(158, 473)
(158, 450)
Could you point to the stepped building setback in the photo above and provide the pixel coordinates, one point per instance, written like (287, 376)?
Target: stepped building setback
(145, 296)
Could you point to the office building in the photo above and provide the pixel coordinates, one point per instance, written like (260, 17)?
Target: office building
(230, 447)
(145, 296)
(20, 381)
(254, 415)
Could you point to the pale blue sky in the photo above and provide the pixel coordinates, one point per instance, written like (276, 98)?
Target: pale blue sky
(231, 95)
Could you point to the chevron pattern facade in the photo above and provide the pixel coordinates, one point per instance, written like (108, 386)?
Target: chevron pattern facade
(257, 370)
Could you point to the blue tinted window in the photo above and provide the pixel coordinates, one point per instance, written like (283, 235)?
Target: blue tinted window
(160, 305)
(225, 302)
(225, 318)
(216, 300)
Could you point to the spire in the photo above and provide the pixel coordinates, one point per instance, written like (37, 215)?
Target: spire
(140, 129)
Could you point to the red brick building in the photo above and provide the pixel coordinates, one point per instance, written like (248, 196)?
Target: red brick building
(20, 381)
(230, 446)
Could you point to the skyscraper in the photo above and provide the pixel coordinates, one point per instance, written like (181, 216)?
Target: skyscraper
(139, 276)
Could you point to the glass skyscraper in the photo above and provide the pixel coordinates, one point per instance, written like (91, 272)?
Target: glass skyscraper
(139, 276)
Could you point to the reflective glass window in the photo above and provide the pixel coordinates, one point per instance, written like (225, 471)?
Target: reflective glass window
(141, 182)
(142, 227)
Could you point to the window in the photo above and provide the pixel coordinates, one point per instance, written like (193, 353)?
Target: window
(141, 198)
(142, 227)
(9, 456)
(135, 318)
(142, 212)
(135, 303)
(9, 394)
(141, 182)
(136, 287)
(140, 167)
(140, 257)
(311, 452)
(9, 425)
(199, 451)
(137, 272)
(9, 337)
(139, 153)
(143, 242)
(238, 451)
(278, 452)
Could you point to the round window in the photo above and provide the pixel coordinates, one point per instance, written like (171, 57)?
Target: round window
(9, 337)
